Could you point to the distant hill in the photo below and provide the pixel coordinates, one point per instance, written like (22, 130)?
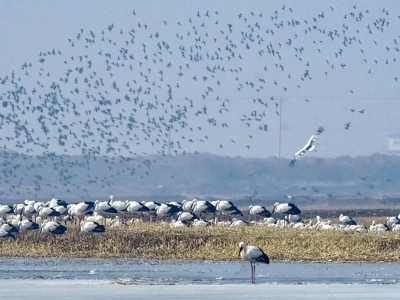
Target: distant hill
(196, 175)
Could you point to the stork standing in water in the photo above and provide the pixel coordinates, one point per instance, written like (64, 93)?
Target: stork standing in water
(252, 254)
(308, 147)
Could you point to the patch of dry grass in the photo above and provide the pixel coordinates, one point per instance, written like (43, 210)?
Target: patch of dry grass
(159, 241)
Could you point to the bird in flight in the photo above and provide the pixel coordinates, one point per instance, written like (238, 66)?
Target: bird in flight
(308, 147)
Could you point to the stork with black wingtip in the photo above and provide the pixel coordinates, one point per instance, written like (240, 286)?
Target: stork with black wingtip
(308, 147)
(252, 254)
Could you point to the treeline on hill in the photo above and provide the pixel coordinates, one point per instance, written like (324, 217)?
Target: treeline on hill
(203, 175)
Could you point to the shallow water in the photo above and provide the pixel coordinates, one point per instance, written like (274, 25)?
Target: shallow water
(132, 271)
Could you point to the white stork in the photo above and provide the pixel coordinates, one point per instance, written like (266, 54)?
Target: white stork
(202, 207)
(286, 209)
(5, 234)
(5, 209)
(308, 147)
(259, 211)
(27, 225)
(52, 227)
(186, 216)
(92, 227)
(347, 220)
(252, 254)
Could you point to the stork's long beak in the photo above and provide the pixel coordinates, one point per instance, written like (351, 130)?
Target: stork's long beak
(273, 210)
(240, 250)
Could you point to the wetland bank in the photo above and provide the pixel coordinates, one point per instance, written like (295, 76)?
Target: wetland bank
(213, 243)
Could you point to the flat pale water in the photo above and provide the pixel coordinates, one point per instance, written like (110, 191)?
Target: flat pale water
(133, 271)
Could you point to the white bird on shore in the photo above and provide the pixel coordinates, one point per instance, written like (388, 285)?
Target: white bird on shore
(200, 223)
(5, 209)
(119, 205)
(5, 234)
(308, 147)
(227, 207)
(52, 227)
(28, 211)
(46, 212)
(258, 210)
(186, 216)
(151, 205)
(27, 225)
(136, 207)
(238, 223)
(347, 220)
(252, 254)
(166, 210)
(392, 220)
(295, 219)
(187, 205)
(378, 227)
(202, 207)
(286, 209)
(9, 227)
(104, 207)
(91, 227)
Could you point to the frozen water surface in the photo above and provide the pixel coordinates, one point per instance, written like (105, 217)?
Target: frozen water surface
(65, 278)
(198, 272)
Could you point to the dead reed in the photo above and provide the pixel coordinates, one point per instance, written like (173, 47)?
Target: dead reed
(159, 241)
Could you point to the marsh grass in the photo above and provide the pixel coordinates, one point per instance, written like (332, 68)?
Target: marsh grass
(160, 241)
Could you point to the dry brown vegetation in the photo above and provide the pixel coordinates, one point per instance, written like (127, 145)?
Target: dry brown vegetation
(159, 241)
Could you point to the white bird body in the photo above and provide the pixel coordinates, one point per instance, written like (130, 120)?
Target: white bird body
(61, 209)
(238, 223)
(392, 220)
(9, 227)
(202, 207)
(259, 211)
(186, 216)
(91, 227)
(395, 227)
(56, 202)
(252, 254)
(119, 205)
(95, 218)
(46, 212)
(295, 219)
(151, 205)
(52, 227)
(166, 210)
(136, 207)
(178, 223)
(227, 207)
(378, 227)
(200, 223)
(347, 220)
(104, 207)
(18, 208)
(5, 234)
(308, 147)
(286, 208)
(187, 205)
(27, 225)
(5, 209)
(28, 210)
(269, 220)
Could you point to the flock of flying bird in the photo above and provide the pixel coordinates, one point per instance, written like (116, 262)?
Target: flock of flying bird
(167, 87)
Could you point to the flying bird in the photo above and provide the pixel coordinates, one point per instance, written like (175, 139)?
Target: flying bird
(308, 147)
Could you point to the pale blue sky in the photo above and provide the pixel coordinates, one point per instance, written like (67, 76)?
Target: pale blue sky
(30, 27)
